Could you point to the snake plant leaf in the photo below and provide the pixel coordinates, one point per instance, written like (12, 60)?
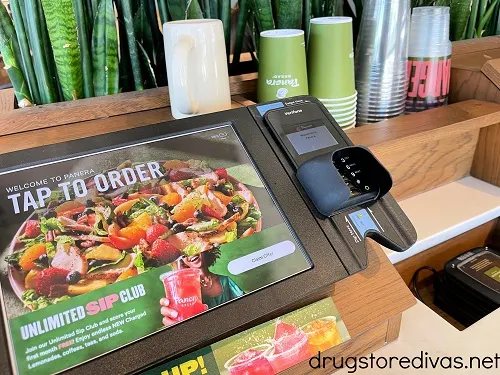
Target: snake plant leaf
(459, 15)
(289, 14)
(177, 9)
(84, 43)
(41, 58)
(193, 10)
(243, 16)
(225, 17)
(306, 22)
(128, 22)
(61, 24)
(8, 39)
(486, 17)
(163, 11)
(142, 31)
(27, 62)
(149, 74)
(263, 12)
(471, 25)
(105, 51)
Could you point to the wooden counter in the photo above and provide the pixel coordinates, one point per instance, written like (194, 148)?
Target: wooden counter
(422, 151)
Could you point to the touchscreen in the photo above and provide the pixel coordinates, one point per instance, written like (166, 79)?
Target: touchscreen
(103, 249)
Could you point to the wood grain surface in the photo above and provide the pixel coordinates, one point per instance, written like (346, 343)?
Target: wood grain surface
(46, 116)
(463, 47)
(491, 69)
(468, 84)
(393, 328)
(428, 149)
(7, 101)
(486, 164)
(437, 256)
(63, 133)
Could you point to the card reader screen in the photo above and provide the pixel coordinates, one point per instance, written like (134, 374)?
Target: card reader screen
(307, 138)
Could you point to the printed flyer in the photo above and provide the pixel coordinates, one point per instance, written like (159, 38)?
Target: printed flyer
(103, 249)
(268, 348)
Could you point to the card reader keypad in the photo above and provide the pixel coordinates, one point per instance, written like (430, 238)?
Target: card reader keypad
(354, 177)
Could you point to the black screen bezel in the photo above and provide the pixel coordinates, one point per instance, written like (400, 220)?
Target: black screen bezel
(240, 314)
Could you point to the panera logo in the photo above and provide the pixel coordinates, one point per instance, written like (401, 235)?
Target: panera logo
(293, 112)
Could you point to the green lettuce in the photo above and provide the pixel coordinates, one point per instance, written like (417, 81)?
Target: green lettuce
(30, 298)
(248, 222)
(204, 226)
(47, 225)
(192, 249)
(124, 253)
(254, 213)
(139, 262)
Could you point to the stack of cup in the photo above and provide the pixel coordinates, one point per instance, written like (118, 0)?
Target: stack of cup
(330, 65)
(429, 58)
(381, 60)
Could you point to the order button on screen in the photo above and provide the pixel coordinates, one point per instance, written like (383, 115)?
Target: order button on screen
(261, 257)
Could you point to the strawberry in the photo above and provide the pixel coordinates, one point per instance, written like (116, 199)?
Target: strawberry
(164, 251)
(207, 211)
(119, 200)
(221, 173)
(155, 231)
(48, 278)
(178, 175)
(32, 229)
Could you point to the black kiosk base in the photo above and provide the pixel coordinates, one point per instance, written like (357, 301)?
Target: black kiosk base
(275, 193)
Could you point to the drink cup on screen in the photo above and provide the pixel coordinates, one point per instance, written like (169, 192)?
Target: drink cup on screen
(183, 290)
(252, 361)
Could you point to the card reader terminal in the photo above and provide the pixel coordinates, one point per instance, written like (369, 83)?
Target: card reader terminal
(334, 174)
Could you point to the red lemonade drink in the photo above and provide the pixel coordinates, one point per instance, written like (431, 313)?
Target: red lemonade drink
(252, 361)
(291, 346)
(183, 290)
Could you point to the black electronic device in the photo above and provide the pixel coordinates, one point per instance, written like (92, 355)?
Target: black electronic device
(303, 232)
(468, 288)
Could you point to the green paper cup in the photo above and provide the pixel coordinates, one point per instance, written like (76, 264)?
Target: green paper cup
(282, 65)
(340, 100)
(343, 113)
(330, 58)
(344, 119)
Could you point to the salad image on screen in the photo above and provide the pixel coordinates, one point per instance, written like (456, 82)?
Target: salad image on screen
(182, 218)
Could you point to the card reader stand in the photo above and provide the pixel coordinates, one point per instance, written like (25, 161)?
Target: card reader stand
(344, 185)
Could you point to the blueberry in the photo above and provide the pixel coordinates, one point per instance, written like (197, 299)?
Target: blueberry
(171, 223)
(198, 214)
(90, 203)
(178, 228)
(50, 214)
(219, 187)
(163, 205)
(154, 199)
(73, 277)
(44, 260)
(237, 210)
(125, 195)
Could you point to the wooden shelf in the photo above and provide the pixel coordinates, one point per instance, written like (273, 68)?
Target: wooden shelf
(448, 211)
(422, 151)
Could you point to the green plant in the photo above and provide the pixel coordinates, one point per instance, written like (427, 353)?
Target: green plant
(11, 56)
(71, 49)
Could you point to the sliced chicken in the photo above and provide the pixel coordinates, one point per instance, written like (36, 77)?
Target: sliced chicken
(73, 225)
(68, 257)
(246, 195)
(179, 189)
(216, 204)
